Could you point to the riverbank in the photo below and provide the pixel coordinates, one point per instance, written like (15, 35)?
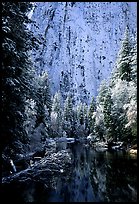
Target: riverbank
(79, 173)
(34, 182)
(114, 146)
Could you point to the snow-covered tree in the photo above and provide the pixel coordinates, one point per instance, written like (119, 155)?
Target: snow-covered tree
(16, 74)
(56, 115)
(108, 118)
(103, 89)
(99, 128)
(30, 112)
(43, 104)
(133, 63)
(34, 133)
(123, 68)
(124, 91)
(131, 107)
(85, 112)
(91, 111)
(68, 115)
(81, 120)
(80, 114)
(98, 115)
(114, 115)
(121, 96)
(131, 112)
(115, 98)
(119, 93)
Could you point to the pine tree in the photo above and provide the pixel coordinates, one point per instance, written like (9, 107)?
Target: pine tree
(43, 104)
(80, 113)
(56, 115)
(68, 116)
(114, 116)
(123, 68)
(115, 100)
(103, 89)
(17, 85)
(85, 111)
(81, 120)
(131, 107)
(30, 112)
(91, 120)
(133, 63)
(108, 119)
(68, 109)
(99, 127)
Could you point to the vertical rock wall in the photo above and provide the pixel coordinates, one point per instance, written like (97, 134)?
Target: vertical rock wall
(82, 40)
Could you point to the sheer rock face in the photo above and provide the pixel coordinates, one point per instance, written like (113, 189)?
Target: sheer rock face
(82, 40)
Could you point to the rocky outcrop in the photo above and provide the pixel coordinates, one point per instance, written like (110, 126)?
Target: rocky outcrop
(81, 42)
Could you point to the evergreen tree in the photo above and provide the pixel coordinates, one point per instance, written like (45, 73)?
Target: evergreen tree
(75, 123)
(56, 115)
(131, 106)
(99, 127)
(43, 104)
(131, 113)
(108, 119)
(68, 116)
(80, 114)
(85, 110)
(123, 68)
(68, 109)
(30, 112)
(56, 105)
(17, 40)
(81, 120)
(103, 89)
(91, 120)
(115, 115)
(133, 63)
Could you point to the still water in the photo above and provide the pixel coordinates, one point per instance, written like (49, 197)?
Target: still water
(93, 176)
(98, 176)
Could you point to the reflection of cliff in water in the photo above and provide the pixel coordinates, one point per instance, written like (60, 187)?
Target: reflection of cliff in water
(99, 177)
(114, 176)
(88, 176)
(80, 185)
(78, 188)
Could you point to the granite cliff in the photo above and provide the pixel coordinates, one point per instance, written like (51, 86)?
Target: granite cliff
(81, 42)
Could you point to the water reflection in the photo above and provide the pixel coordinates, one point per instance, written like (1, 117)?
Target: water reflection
(99, 177)
(94, 176)
(114, 176)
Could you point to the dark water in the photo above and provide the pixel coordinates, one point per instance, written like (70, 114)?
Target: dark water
(94, 176)
(115, 176)
(98, 177)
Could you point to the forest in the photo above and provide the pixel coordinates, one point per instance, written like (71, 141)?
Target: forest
(32, 118)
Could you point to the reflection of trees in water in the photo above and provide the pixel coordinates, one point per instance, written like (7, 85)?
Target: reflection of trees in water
(98, 177)
(80, 185)
(98, 174)
(120, 175)
(112, 175)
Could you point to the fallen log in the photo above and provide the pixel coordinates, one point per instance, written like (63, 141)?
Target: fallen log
(50, 164)
(36, 181)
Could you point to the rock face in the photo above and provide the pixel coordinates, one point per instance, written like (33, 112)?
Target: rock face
(82, 40)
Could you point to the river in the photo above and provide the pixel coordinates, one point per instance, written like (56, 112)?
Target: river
(93, 175)
(98, 176)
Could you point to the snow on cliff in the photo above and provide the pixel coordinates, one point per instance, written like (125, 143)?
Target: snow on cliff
(82, 40)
